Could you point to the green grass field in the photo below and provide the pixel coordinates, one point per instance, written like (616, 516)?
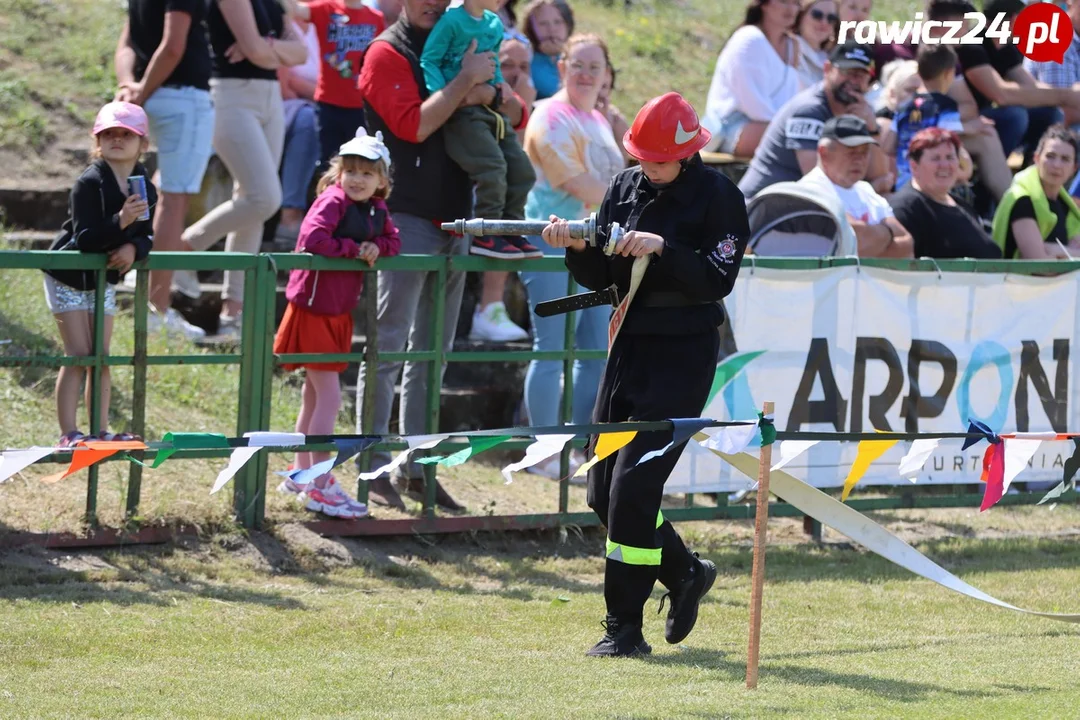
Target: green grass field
(293, 626)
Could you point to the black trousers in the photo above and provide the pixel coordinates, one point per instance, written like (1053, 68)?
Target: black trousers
(647, 377)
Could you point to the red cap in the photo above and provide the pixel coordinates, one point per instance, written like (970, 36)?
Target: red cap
(666, 129)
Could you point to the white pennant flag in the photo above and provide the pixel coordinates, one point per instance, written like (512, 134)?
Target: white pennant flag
(419, 442)
(916, 457)
(1018, 451)
(732, 438)
(791, 449)
(1055, 493)
(544, 447)
(237, 460)
(274, 439)
(13, 461)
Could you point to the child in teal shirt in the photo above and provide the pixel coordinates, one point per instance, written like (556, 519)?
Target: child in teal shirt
(479, 138)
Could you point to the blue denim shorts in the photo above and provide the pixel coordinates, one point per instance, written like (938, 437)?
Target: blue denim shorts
(731, 127)
(182, 128)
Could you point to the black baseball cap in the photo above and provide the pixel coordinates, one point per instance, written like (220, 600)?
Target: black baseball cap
(848, 130)
(852, 56)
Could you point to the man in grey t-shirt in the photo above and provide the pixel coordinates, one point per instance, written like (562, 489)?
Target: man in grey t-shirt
(788, 149)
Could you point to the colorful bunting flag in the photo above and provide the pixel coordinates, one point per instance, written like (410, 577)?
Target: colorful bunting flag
(351, 447)
(89, 452)
(477, 444)
(867, 452)
(994, 475)
(14, 461)
(732, 439)
(237, 460)
(260, 438)
(419, 442)
(607, 444)
(917, 455)
(1019, 449)
(188, 441)
(303, 476)
(974, 426)
(789, 450)
(1067, 480)
(682, 429)
(544, 447)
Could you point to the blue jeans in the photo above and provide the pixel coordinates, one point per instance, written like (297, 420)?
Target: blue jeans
(337, 126)
(1018, 126)
(542, 393)
(301, 156)
(182, 126)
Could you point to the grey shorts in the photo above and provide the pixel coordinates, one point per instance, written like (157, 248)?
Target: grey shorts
(63, 298)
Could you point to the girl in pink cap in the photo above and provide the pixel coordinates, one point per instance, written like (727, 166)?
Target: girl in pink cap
(105, 218)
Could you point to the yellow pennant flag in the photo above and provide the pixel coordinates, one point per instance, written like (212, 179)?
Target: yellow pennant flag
(608, 444)
(868, 452)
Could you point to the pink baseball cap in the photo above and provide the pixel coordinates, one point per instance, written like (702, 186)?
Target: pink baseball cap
(123, 115)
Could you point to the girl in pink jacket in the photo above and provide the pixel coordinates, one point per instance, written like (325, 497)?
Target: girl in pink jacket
(349, 219)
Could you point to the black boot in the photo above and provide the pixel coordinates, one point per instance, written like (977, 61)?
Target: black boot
(685, 598)
(622, 639)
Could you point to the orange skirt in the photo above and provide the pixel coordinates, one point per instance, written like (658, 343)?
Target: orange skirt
(305, 332)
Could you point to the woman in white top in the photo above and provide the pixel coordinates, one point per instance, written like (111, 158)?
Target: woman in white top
(817, 25)
(756, 73)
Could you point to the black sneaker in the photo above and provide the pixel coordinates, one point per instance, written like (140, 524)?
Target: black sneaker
(621, 639)
(682, 614)
(493, 246)
(527, 248)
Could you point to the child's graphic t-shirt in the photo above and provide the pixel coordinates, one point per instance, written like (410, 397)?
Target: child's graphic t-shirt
(344, 36)
(925, 110)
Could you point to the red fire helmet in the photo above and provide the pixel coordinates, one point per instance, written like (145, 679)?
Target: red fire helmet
(666, 129)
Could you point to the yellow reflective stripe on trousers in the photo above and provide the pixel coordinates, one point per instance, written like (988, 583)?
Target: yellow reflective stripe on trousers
(659, 518)
(632, 555)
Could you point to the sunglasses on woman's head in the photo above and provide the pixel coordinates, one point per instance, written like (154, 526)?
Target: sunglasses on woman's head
(819, 16)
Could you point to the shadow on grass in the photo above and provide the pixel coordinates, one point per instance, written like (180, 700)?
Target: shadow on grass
(515, 566)
(770, 670)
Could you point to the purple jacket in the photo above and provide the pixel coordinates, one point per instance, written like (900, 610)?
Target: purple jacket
(334, 227)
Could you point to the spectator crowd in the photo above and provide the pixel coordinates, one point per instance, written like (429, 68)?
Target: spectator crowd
(411, 114)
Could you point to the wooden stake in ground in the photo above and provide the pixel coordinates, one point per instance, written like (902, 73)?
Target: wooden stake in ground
(757, 581)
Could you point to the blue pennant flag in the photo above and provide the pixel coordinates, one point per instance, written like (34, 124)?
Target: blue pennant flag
(974, 426)
(683, 429)
(352, 447)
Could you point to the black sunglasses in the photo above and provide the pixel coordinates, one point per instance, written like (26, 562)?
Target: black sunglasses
(819, 15)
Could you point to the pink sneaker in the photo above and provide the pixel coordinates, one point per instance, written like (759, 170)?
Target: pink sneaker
(333, 501)
(333, 489)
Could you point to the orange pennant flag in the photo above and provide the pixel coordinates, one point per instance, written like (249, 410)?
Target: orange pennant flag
(868, 452)
(88, 452)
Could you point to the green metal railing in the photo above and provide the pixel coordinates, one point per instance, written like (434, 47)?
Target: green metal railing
(257, 364)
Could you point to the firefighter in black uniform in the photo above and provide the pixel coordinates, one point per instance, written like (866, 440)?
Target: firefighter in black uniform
(692, 221)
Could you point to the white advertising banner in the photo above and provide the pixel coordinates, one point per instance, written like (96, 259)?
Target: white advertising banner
(860, 349)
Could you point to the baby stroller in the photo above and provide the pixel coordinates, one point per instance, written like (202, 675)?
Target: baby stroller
(796, 219)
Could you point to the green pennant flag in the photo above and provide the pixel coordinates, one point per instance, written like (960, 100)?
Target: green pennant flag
(476, 445)
(768, 429)
(188, 441)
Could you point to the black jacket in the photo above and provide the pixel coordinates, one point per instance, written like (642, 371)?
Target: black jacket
(702, 218)
(93, 224)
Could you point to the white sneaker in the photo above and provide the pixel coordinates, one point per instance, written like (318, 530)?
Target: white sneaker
(186, 282)
(230, 327)
(174, 324)
(494, 325)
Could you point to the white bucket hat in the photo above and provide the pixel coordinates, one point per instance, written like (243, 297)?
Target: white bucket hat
(366, 146)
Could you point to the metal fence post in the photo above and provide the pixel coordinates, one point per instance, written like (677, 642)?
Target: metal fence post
(96, 371)
(249, 407)
(138, 390)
